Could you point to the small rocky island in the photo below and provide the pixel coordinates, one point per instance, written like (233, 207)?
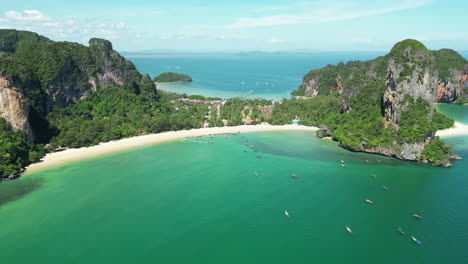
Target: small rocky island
(172, 77)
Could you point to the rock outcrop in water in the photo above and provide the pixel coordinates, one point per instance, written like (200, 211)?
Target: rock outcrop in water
(409, 72)
(37, 74)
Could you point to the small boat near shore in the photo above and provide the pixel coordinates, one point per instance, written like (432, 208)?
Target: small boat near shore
(373, 175)
(385, 188)
(369, 201)
(259, 156)
(417, 216)
(342, 161)
(286, 214)
(256, 174)
(343, 166)
(349, 230)
(401, 230)
(294, 175)
(417, 241)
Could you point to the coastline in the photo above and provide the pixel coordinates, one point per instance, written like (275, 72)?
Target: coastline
(69, 155)
(458, 129)
(75, 154)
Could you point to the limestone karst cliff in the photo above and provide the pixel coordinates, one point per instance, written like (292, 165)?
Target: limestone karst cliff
(13, 106)
(50, 74)
(410, 78)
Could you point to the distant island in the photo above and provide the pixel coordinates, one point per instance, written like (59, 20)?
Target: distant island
(172, 77)
(57, 95)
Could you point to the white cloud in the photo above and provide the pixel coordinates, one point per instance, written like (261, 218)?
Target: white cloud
(321, 11)
(26, 16)
(70, 29)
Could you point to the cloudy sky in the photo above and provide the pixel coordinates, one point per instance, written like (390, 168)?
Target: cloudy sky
(217, 25)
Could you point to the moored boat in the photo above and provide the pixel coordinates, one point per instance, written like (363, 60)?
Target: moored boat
(385, 188)
(349, 230)
(369, 201)
(401, 230)
(259, 156)
(256, 174)
(417, 241)
(294, 175)
(343, 166)
(342, 161)
(286, 214)
(373, 175)
(417, 216)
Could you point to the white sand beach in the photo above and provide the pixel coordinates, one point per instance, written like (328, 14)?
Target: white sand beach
(58, 158)
(457, 130)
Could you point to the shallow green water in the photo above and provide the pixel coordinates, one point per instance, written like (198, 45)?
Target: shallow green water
(193, 202)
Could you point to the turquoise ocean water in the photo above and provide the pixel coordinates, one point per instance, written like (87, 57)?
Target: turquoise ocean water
(188, 201)
(269, 76)
(191, 202)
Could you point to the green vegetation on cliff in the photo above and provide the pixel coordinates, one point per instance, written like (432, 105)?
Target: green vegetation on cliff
(350, 100)
(172, 77)
(437, 152)
(311, 112)
(364, 103)
(107, 115)
(15, 151)
(401, 50)
(463, 99)
(10, 37)
(447, 59)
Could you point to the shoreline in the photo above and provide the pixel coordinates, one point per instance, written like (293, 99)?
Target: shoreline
(458, 129)
(75, 154)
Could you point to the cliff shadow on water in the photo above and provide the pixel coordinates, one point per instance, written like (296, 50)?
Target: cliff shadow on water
(14, 190)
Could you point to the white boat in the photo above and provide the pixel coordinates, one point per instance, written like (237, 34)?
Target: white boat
(349, 230)
(417, 216)
(342, 161)
(417, 241)
(342, 165)
(369, 201)
(286, 213)
(256, 174)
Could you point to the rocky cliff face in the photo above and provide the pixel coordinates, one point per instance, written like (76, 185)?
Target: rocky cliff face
(58, 74)
(449, 90)
(413, 76)
(311, 86)
(75, 80)
(408, 72)
(13, 106)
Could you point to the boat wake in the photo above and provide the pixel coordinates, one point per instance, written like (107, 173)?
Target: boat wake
(196, 141)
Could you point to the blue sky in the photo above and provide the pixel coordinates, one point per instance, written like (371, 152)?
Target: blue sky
(196, 25)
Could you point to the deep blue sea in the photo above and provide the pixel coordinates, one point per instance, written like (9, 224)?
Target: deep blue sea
(271, 76)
